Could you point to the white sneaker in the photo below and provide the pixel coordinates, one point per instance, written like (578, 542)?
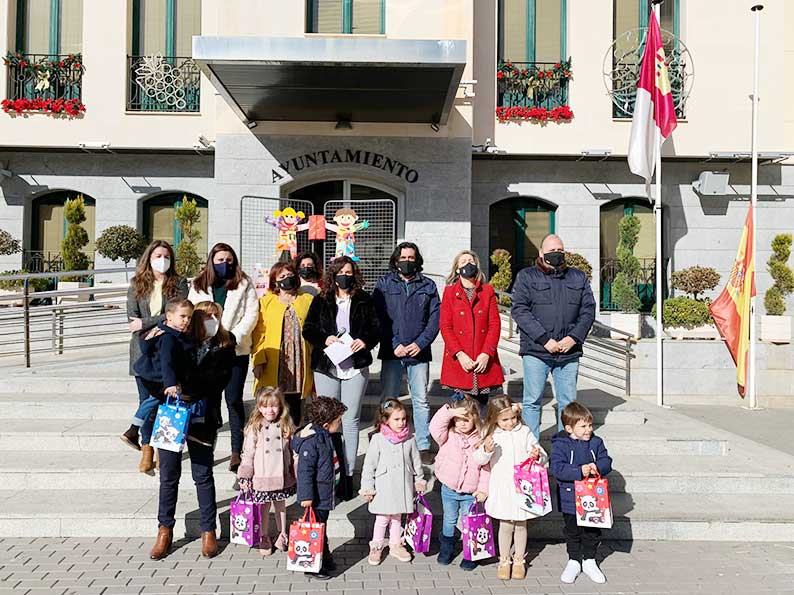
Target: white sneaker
(572, 570)
(590, 568)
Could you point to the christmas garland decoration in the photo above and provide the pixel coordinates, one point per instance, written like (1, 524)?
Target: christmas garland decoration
(533, 81)
(45, 72)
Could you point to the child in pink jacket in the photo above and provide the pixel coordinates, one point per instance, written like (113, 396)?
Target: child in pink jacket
(457, 432)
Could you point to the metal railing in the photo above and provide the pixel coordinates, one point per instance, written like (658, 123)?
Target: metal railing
(45, 76)
(163, 84)
(531, 87)
(644, 288)
(63, 319)
(606, 354)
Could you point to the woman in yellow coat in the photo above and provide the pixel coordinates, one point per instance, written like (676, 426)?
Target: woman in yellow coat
(281, 357)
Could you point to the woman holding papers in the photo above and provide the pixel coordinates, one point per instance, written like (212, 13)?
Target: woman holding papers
(342, 327)
(281, 356)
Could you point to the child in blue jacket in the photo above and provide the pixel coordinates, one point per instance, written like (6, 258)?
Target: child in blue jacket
(321, 463)
(578, 453)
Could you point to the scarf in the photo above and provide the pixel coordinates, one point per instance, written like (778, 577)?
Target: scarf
(392, 436)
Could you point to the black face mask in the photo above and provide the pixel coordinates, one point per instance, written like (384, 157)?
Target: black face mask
(345, 281)
(469, 271)
(407, 267)
(288, 283)
(554, 259)
(223, 270)
(307, 273)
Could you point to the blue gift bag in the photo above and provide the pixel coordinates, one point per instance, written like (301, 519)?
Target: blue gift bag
(170, 425)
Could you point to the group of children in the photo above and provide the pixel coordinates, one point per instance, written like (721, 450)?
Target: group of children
(475, 462)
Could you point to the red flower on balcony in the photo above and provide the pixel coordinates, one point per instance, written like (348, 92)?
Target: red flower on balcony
(70, 107)
(539, 115)
(500, 75)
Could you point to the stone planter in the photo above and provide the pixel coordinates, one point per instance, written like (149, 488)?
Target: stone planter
(706, 331)
(627, 322)
(69, 285)
(776, 329)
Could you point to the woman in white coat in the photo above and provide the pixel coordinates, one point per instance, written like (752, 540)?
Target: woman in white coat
(223, 281)
(506, 443)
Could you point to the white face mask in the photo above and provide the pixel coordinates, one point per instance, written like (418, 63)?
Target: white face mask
(211, 327)
(160, 264)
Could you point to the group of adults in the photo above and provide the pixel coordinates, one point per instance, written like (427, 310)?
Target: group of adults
(282, 337)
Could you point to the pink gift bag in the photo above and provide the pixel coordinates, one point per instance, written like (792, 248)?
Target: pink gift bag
(246, 522)
(532, 487)
(418, 526)
(477, 530)
(593, 505)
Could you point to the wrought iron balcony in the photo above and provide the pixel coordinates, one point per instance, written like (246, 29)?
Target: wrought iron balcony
(163, 84)
(532, 84)
(645, 288)
(44, 76)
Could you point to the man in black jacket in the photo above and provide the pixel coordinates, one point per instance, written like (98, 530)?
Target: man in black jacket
(554, 308)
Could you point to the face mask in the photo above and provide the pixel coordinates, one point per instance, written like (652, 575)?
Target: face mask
(345, 281)
(287, 283)
(211, 327)
(160, 264)
(223, 270)
(469, 271)
(307, 273)
(407, 267)
(554, 259)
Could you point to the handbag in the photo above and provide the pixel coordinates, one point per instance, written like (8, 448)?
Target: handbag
(419, 526)
(477, 533)
(532, 491)
(593, 505)
(245, 518)
(305, 549)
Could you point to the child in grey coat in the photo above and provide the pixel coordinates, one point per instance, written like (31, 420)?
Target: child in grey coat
(391, 476)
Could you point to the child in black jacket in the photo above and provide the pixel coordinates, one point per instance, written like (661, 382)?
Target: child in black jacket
(321, 463)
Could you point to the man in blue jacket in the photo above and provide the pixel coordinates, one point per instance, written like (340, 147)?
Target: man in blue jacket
(408, 307)
(554, 308)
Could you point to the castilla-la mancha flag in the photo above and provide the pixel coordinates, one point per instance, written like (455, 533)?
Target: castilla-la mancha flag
(654, 111)
(731, 311)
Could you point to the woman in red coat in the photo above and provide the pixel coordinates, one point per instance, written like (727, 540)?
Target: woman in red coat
(470, 326)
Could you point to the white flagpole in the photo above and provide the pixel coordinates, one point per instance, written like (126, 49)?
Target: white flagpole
(657, 210)
(751, 375)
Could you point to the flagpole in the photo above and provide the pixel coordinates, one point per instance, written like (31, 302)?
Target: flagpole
(657, 210)
(751, 376)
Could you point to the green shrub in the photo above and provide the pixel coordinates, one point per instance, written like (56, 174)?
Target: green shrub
(624, 292)
(9, 244)
(13, 284)
(504, 275)
(577, 261)
(625, 295)
(775, 298)
(76, 238)
(685, 312)
(695, 280)
(188, 262)
(121, 242)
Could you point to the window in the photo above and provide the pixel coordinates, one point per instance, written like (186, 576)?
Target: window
(634, 14)
(165, 27)
(532, 30)
(364, 17)
(159, 222)
(50, 26)
(48, 228)
(519, 225)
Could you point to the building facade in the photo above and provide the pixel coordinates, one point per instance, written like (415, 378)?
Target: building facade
(456, 124)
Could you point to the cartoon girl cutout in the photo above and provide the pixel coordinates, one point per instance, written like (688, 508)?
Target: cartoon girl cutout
(287, 223)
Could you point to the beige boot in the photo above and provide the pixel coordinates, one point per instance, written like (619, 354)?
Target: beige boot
(519, 570)
(147, 459)
(503, 570)
(375, 553)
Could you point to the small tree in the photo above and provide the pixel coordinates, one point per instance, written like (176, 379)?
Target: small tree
(9, 244)
(623, 287)
(121, 242)
(577, 261)
(775, 297)
(76, 238)
(188, 262)
(695, 280)
(504, 275)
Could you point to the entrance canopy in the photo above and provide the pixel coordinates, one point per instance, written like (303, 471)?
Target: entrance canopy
(331, 79)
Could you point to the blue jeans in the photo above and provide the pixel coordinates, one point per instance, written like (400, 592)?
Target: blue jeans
(148, 423)
(391, 376)
(455, 504)
(536, 371)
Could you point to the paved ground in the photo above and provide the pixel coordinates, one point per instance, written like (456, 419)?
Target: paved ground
(770, 427)
(116, 566)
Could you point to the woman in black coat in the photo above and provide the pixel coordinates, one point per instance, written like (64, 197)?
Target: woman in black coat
(343, 308)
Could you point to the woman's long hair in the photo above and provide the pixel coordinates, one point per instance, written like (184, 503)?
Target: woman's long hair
(143, 280)
(206, 277)
(453, 274)
(329, 281)
(266, 395)
(223, 336)
(496, 405)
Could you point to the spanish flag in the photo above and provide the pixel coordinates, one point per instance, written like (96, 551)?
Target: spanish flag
(731, 310)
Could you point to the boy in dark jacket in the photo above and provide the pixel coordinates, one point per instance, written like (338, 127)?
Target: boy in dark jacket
(321, 463)
(166, 361)
(578, 453)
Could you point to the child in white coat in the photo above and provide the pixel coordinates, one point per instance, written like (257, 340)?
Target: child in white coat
(506, 443)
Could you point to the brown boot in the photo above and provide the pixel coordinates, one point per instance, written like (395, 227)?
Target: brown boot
(234, 462)
(209, 544)
(131, 438)
(147, 459)
(163, 544)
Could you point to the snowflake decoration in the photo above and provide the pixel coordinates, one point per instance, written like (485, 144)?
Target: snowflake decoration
(161, 81)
